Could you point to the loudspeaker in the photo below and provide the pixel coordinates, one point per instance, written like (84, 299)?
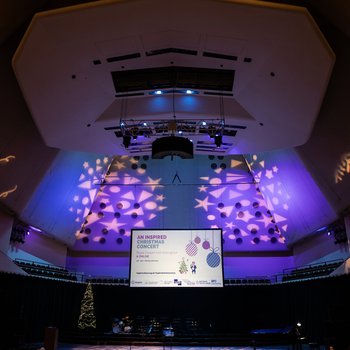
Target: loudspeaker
(172, 146)
(51, 338)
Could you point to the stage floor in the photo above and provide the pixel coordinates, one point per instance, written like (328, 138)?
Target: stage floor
(136, 347)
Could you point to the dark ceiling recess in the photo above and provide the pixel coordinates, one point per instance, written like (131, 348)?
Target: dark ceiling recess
(219, 55)
(172, 146)
(173, 77)
(123, 58)
(171, 50)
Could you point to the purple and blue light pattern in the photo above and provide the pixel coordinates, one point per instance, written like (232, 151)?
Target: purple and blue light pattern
(136, 193)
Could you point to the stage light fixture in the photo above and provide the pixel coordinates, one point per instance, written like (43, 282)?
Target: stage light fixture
(218, 140)
(126, 141)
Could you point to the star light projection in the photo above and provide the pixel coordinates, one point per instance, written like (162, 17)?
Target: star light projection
(217, 192)
(275, 195)
(230, 198)
(87, 190)
(127, 198)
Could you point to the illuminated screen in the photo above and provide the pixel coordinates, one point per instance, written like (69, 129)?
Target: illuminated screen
(176, 258)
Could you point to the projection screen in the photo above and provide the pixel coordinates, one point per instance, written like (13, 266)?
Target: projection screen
(176, 258)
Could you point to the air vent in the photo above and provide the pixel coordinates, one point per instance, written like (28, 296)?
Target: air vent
(130, 95)
(123, 58)
(173, 77)
(217, 93)
(235, 126)
(112, 128)
(219, 55)
(171, 50)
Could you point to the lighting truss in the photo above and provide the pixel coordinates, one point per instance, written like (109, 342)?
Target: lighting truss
(168, 127)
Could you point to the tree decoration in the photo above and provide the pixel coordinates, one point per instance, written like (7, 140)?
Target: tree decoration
(213, 258)
(183, 267)
(206, 244)
(87, 317)
(191, 248)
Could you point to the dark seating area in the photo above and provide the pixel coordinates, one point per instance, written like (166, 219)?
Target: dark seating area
(108, 280)
(311, 271)
(235, 316)
(46, 270)
(245, 281)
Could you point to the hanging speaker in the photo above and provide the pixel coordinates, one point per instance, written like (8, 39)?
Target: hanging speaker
(172, 146)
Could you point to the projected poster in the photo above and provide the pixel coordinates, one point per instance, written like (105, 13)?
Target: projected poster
(176, 258)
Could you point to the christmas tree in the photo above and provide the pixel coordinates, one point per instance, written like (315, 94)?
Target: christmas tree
(183, 266)
(87, 317)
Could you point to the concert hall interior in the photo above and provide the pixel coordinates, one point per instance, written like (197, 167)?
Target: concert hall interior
(208, 134)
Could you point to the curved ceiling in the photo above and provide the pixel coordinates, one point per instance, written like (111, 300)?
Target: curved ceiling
(71, 62)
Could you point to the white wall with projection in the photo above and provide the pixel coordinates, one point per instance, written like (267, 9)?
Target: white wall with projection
(176, 258)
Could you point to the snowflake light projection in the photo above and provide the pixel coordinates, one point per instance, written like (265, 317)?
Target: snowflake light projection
(127, 198)
(231, 199)
(5, 161)
(343, 168)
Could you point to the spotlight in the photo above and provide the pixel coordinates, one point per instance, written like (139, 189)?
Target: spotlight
(158, 92)
(212, 131)
(126, 141)
(218, 140)
(298, 331)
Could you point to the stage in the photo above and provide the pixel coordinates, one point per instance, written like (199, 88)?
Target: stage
(102, 341)
(62, 346)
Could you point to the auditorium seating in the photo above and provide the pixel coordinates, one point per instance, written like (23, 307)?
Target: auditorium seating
(245, 281)
(108, 280)
(300, 273)
(46, 270)
(311, 271)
